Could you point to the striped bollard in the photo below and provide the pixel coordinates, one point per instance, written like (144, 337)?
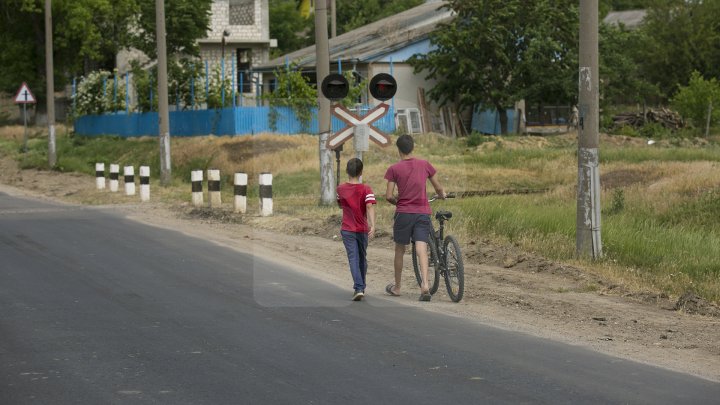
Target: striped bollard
(196, 178)
(114, 176)
(129, 172)
(100, 176)
(266, 203)
(144, 183)
(241, 192)
(214, 188)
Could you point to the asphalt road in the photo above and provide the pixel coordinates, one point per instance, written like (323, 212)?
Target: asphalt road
(97, 309)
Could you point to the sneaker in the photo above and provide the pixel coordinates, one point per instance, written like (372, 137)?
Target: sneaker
(358, 296)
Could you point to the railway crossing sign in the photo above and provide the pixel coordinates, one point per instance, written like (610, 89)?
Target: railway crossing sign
(24, 95)
(353, 120)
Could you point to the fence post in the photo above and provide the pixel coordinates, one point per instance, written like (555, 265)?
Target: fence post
(192, 86)
(214, 188)
(266, 202)
(127, 93)
(129, 172)
(151, 93)
(242, 88)
(207, 81)
(114, 175)
(115, 89)
(196, 178)
(144, 183)
(222, 83)
(233, 82)
(241, 192)
(100, 176)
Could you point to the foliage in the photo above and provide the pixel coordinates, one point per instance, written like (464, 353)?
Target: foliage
(185, 22)
(680, 36)
(358, 87)
(692, 101)
(98, 93)
(292, 30)
(620, 70)
(219, 89)
(606, 6)
(496, 52)
(145, 85)
(186, 85)
(293, 89)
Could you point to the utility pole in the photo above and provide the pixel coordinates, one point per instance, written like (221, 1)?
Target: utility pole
(163, 114)
(49, 72)
(588, 240)
(322, 69)
(333, 18)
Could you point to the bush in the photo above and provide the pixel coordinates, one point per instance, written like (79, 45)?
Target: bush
(692, 101)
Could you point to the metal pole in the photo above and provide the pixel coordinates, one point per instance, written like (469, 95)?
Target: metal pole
(25, 133)
(333, 18)
(49, 72)
(163, 113)
(709, 115)
(322, 50)
(588, 240)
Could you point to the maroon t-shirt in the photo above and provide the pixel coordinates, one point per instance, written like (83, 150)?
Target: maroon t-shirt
(411, 176)
(353, 198)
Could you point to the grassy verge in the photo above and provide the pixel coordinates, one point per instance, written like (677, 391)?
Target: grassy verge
(660, 204)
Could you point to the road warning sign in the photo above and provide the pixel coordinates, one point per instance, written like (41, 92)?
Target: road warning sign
(24, 95)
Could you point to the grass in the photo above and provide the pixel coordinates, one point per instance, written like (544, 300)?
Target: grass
(661, 205)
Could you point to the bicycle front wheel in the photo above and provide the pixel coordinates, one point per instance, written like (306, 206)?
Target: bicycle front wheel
(433, 268)
(454, 269)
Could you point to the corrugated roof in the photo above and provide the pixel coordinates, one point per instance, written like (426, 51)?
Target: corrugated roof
(370, 41)
(630, 18)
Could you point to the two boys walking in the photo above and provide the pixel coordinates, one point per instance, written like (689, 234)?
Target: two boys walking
(412, 215)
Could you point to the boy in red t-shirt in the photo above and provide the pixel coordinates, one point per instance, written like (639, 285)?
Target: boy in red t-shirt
(358, 224)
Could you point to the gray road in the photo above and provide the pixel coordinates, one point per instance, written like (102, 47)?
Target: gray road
(96, 309)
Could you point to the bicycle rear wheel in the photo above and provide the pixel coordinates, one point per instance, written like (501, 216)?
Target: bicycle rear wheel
(433, 268)
(455, 270)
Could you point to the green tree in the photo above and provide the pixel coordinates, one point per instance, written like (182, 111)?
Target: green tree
(291, 29)
(495, 52)
(293, 90)
(621, 77)
(680, 36)
(692, 101)
(186, 21)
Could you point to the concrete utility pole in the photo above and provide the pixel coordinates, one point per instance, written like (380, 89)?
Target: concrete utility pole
(49, 72)
(589, 244)
(333, 18)
(322, 69)
(163, 114)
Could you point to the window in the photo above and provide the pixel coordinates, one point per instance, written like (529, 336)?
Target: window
(242, 12)
(408, 120)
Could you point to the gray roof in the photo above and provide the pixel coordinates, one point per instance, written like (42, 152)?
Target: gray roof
(371, 41)
(630, 19)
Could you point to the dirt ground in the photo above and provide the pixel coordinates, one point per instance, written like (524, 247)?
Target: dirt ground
(505, 287)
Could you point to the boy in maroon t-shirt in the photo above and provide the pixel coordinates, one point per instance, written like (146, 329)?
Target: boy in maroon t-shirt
(412, 212)
(358, 224)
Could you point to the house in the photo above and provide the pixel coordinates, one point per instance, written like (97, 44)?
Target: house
(239, 33)
(630, 19)
(384, 46)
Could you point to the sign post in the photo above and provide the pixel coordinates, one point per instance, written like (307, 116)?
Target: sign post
(24, 96)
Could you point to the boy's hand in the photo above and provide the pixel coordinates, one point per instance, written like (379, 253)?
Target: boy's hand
(371, 233)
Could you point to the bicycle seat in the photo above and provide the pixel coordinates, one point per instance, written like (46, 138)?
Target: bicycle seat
(443, 215)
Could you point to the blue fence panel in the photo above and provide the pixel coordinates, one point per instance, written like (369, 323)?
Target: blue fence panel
(226, 121)
(488, 121)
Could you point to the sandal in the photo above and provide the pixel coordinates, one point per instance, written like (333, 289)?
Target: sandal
(389, 290)
(426, 296)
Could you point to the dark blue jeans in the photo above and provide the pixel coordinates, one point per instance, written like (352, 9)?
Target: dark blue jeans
(356, 248)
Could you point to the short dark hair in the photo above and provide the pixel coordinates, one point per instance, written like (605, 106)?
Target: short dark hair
(354, 167)
(405, 144)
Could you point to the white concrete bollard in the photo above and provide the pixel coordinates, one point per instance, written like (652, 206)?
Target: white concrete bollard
(214, 188)
(100, 176)
(114, 176)
(129, 172)
(241, 192)
(196, 178)
(266, 202)
(144, 183)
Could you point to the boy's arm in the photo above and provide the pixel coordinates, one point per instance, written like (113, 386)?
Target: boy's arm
(389, 193)
(438, 188)
(371, 219)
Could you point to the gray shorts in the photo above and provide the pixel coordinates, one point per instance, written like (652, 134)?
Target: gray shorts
(411, 227)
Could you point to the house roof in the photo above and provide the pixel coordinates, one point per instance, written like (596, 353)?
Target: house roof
(369, 42)
(630, 19)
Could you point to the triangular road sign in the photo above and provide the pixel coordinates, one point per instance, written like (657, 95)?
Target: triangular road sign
(24, 95)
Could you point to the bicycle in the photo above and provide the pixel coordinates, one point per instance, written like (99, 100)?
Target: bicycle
(444, 258)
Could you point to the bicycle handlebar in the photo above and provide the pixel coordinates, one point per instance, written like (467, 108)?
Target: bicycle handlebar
(435, 196)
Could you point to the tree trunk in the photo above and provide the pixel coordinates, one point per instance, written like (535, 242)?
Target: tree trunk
(502, 113)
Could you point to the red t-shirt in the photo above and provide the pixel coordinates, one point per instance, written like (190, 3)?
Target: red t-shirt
(353, 198)
(411, 176)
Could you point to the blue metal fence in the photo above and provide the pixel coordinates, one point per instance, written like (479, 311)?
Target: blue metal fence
(226, 121)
